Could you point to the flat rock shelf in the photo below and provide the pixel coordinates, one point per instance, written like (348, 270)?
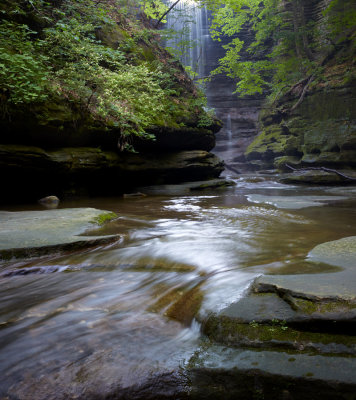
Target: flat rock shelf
(35, 233)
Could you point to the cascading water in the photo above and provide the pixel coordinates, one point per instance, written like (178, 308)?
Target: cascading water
(188, 24)
(193, 45)
(228, 128)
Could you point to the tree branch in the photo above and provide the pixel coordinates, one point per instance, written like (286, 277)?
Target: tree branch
(164, 14)
(301, 98)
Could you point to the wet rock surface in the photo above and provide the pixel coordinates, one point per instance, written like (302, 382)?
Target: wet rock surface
(295, 202)
(33, 233)
(310, 319)
(227, 373)
(341, 253)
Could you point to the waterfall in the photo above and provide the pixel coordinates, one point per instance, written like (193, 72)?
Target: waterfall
(228, 128)
(194, 47)
(188, 25)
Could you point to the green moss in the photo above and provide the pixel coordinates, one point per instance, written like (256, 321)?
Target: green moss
(112, 35)
(280, 162)
(310, 307)
(148, 54)
(228, 331)
(103, 218)
(272, 142)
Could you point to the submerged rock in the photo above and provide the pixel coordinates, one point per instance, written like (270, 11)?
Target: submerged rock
(294, 202)
(188, 187)
(133, 195)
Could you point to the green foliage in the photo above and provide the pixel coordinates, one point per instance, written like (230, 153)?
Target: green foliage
(285, 48)
(133, 99)
(23, 71)
(121, 82)
(153, 8)
(341, 16)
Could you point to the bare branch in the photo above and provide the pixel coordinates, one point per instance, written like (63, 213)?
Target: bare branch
(164, 14)
(303, 93)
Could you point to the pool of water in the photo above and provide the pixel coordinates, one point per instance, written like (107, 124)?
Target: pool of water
(100, 321)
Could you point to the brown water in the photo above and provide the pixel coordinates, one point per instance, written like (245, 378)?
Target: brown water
(104, 320)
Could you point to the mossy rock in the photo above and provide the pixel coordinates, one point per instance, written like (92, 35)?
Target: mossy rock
(104, 218)
(281, 162)
(314, 177)
(35, 233)
(271, 143)
(275, 334)
(321, 131)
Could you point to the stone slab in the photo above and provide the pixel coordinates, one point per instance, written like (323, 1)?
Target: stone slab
(341, 253)
(338, 286)
(260, 308)
(294, 202)
(33, 232)
(333, 369)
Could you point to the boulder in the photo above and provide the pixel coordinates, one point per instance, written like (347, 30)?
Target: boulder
(49, 201)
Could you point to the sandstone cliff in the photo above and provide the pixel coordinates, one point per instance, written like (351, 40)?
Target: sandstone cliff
(313, 125)
(65, 134)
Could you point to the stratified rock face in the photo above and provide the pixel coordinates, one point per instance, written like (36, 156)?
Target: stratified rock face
(239, 115)
(52, 126)
(321, 131)
(30, 172)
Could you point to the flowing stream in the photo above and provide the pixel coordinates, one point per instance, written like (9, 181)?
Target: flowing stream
(116, 316)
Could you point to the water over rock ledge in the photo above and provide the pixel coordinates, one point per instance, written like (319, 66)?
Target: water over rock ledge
(291, 337)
